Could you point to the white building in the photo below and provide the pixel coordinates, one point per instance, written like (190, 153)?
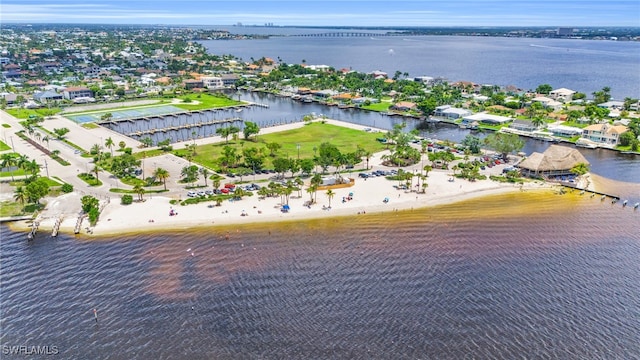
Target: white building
(212, 82)
(562, 95)
(449, 112)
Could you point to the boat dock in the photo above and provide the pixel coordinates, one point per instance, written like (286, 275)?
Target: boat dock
(582, 191)
(34, 230)
(183, 126)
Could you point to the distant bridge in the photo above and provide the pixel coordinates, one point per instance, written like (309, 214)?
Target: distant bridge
(351, 34)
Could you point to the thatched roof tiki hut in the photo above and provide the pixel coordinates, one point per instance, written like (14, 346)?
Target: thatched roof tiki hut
(556, 160)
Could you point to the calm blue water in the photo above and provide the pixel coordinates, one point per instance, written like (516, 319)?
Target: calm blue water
(525, 277)
(584, 66)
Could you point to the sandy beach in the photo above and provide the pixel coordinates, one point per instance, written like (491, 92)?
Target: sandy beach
(368, 198)
(153, 214)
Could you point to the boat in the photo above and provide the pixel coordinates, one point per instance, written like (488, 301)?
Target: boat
(586, 144)
(624, 203)
(636, 205)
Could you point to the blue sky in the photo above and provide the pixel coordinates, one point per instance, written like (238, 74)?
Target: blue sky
(328, 12)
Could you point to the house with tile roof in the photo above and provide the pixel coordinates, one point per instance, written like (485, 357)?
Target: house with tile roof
(604, 133)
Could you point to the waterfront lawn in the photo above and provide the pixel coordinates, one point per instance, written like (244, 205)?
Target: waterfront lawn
(309, 137)
(4, 147)
(380, 107)
(205, 101)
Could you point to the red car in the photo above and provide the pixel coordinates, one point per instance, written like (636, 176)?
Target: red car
(229, 186)
(224, 191)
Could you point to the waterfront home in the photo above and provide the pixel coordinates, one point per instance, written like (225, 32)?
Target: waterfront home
(612, 105)
(72, 93)
(362, 100)
(562, 95)
(212, 82)
(557, 160)
(485, 118)
(523, 125)
(563, 130)
(548, 102)
(605, 133)
(403, 106)
(446, 111)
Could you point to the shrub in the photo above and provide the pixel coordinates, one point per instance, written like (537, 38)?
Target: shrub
(66, 188)
(126, 199)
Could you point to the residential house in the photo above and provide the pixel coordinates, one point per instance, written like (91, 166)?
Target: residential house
(192, 84)
(403, 106)
(77, 92)
(44, 97)
(446, 111)
(212, 82)
(486, 118)
(548, 102)
(229, 80)
(523, 125)
(563, 130)
(604, 133)
(612, 105)
(562, 95)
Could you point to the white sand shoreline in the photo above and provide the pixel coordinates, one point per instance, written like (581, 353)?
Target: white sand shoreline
(152, 215)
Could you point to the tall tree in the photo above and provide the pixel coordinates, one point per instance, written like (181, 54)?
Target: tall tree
(162, 174)
(330, 194)
(110, 144)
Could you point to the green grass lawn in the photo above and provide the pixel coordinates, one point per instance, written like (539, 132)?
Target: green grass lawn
(575, 124)
(4, 147)
(24, 113)
(308, 136)
(380, 107)
(6, 126)
(205, 101)
(89, 125)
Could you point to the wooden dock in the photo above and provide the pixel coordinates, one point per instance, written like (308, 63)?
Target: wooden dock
(582, 191)
(34, 230)
(183, 126)
(56, 226)
(78, 226)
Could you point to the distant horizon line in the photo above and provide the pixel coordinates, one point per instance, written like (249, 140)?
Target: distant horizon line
(336, 26)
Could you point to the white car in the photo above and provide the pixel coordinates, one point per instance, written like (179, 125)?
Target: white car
(191, 194)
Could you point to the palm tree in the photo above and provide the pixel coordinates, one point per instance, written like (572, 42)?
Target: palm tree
(96, 170)
(330, 194)
(316, 180)
(46, 139)
(299, 184)
(163, 175)
(8, 160)
(216, 183)
(537, 121)
(110, 144)
(205, 173)
(20, 195)
(311, 190)
(138, 189)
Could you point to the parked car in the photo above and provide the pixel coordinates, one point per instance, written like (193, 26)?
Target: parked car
(192, 194)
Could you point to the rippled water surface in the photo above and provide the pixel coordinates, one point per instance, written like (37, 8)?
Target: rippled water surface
(518, 276)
